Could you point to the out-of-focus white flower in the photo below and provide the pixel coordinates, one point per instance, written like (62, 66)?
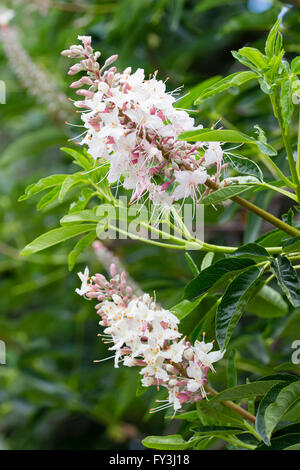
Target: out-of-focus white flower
(6, 16)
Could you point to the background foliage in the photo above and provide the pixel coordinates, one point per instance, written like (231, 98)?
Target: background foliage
(51, 394)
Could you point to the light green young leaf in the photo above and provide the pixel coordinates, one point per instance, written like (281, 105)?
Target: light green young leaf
(233, 80)
(70, 182)
(191, 264)
(79, 158)
(42, 184)
(173, 442)
(207, 260)
(295, 65)
(55, 236)
(48, 198)
(286, 103)
(271, 40)
(87, 215)
(188, 99)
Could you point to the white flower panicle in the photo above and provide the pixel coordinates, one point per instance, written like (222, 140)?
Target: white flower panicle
(143, 334)
(133, 123)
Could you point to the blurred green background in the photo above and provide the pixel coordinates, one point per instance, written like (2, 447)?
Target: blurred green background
(52, 396)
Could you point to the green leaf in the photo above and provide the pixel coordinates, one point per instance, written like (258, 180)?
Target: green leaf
(211, 275)
(79, 158)
(191, 264)
(188, 99)
(48, 198)
(217, 430)
(244, 166)
(243, 392)
(277, 401)
(55, 236)
(207, 260)
(231, 370)
(267, 303)
(251, 250)
(80, 246)
(185, 307)
(225, 193)
(254, 56)
(286, 442)
(295, 65)
(86, 215)
(233, 80)
(172, 442)
(188, 416)
(272, 238)
(223, 135)
(271, 40)
(69, 183)
(216, 411)
(286, 103)
(42, 184)
(291, 245)
(287, 278)
(233, 303)
(140, 390)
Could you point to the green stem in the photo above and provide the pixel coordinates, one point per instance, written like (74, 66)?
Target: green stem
(258, 211)
(252, 430)
(287, 146)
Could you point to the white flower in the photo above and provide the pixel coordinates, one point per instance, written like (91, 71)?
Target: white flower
(173, 398)
(85, 287)
(188, 182)
(204, 356)
(196, 373)
(6, 16)
(214, 153)
(175, 351)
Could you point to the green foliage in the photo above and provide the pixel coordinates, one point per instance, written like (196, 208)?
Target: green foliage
(246, 295)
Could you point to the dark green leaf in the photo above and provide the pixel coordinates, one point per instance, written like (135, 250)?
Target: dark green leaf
(242, 392)
(211, 275)
(287, 278)
(251, 250)
(233, 303)
(277, 401)
(244, 166)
